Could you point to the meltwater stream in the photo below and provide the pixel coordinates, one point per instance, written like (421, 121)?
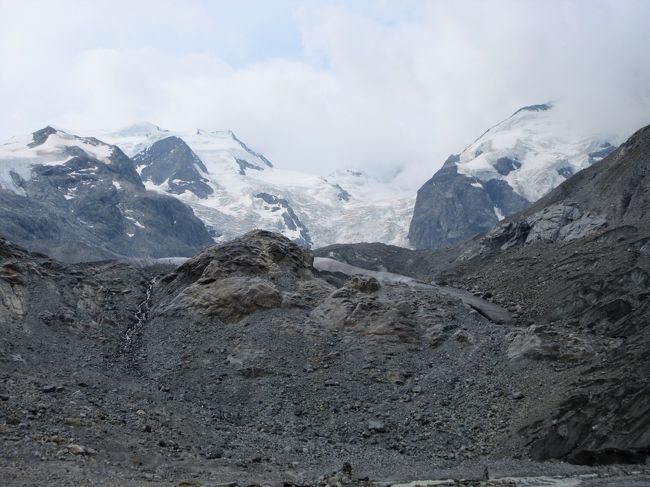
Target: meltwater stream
(140, 317)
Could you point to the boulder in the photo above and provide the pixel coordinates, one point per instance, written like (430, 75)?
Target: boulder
(229, 299)
(546, 343)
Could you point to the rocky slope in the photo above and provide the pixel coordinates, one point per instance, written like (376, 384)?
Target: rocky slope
(578, 262)
(249, 364)
(574, 268)
(79, 199)
(510, 166)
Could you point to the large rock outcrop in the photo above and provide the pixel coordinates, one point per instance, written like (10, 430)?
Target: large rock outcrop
(451, 207)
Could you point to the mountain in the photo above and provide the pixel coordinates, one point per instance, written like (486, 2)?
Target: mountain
(574, 269)
(77, 198)
(505, 170)
(577, 266)
(234, 189)
(255, 362)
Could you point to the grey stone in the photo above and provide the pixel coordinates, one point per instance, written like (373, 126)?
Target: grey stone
(376, 426)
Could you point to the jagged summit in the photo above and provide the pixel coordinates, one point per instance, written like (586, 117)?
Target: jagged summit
(41, 135)
(542, 107)
(171, 164)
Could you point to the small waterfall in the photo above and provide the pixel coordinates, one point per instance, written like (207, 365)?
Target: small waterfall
(140, 317)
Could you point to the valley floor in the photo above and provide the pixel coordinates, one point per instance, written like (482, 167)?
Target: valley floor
(30, 470)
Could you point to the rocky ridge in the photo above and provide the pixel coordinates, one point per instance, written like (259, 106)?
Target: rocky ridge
(578, 263)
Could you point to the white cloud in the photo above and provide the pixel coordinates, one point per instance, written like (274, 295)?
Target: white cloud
(382, 87)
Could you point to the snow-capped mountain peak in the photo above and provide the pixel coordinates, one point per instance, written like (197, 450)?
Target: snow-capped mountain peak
(533, 151)
(240, 189)
(47, 147)
(79, 198)
(511, 165)
(47, 142)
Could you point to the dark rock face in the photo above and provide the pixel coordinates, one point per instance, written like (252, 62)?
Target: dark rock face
(243, 165)
(535, 108)
(171, 160)
(87, 209)
(567, 172)
(252, 152)
(506, 165)
(40, 136)
(343, 195)
(289, 217)
(451, 207)
(503, 197)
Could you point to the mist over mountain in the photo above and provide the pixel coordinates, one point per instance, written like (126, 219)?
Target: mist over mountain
(373, 86)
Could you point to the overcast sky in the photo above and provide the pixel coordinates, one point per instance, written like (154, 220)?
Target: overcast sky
(383, 86)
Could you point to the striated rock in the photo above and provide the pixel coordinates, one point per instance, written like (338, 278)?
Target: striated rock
(544, 342)
(556, 223)
(239, 278)
(364, 284)
(230, 299)
(378, 314)
(308, 294)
